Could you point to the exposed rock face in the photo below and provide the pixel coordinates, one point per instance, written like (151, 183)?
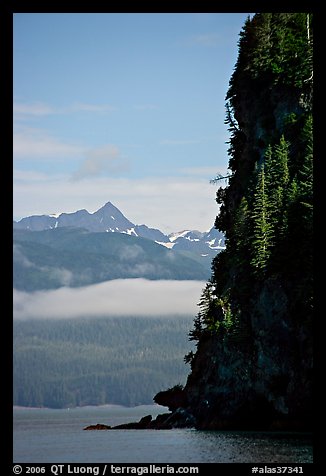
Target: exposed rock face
(258, 373)
(142, 424)
(173, 398)
(256, 381)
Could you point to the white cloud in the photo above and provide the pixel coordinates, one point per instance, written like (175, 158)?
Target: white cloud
(22, 111)
(168, 203)
(38, 144)
(121, 297)
(33, 176)
(33, 109)
(101, 160)
(86, 107)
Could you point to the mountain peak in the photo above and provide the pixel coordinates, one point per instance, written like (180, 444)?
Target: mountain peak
(111, 212)
(108, 207)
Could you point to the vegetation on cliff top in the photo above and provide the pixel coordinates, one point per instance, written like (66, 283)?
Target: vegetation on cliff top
(266, 210)
(253, 364)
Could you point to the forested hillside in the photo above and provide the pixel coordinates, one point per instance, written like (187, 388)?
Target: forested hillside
(253, 365)
(64, 363)
(75, 257)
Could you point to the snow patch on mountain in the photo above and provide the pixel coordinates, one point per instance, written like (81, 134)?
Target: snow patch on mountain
(168, 245)
(178, 234)
(109, 219)
(130, 231)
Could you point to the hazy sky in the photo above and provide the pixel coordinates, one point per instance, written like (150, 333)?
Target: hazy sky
(127, 108)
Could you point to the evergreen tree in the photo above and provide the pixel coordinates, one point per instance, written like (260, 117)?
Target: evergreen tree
(277, 179)
(262, 228)
(241, 228)
(305, 172)
(260, 297)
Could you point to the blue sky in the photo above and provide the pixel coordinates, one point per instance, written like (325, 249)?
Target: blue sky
(127, 108)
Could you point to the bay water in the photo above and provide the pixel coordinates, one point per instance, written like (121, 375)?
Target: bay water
(42, 435)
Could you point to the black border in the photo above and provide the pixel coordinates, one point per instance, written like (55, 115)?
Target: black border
(6, 44)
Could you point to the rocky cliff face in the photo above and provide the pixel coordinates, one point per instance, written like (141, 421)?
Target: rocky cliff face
(256, 380)
(253, 365)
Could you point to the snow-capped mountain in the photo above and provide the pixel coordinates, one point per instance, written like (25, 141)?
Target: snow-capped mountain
(206, 244)
(110, 219)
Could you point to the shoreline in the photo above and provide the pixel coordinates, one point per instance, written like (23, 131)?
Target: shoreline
(105, 406)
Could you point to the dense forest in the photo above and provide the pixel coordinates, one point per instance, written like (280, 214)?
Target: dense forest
(69, 362)
(253, 364)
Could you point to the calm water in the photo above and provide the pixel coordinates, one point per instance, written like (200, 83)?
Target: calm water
(57, 436)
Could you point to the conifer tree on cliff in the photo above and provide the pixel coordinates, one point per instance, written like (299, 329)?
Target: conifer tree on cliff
(256, 325)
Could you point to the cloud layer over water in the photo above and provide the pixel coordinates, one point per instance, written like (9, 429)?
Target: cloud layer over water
(121, 297)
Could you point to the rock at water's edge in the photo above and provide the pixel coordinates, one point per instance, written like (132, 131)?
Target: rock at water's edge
(180, 418)
(98, 426)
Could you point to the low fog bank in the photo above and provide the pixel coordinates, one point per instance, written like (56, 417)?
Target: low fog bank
(121, 297)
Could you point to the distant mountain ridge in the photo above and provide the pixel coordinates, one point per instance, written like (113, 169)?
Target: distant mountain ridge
(110, 219)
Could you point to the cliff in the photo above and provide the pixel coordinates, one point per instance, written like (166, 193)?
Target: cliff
(253, 364)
